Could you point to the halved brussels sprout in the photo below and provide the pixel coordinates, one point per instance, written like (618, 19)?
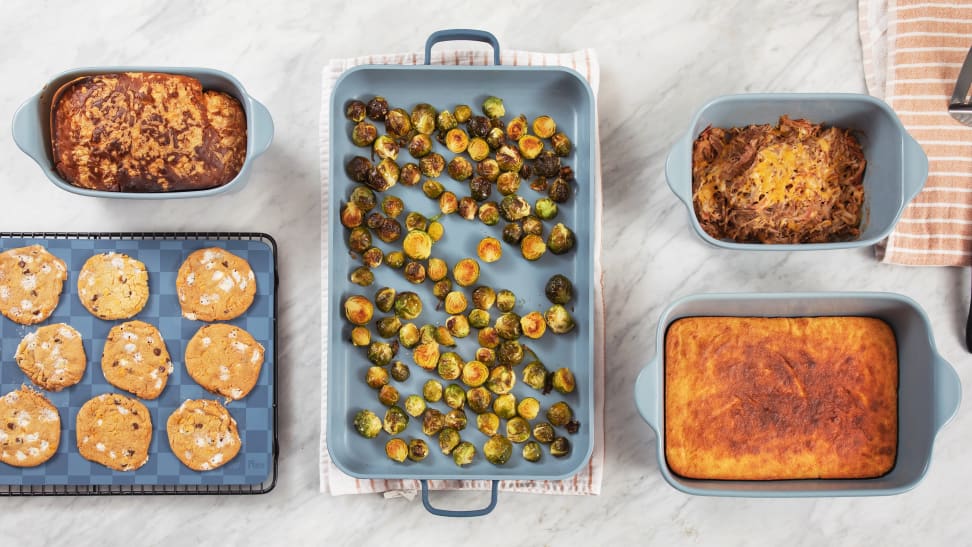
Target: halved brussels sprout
(501, 380)
(535, 375)
(432, 421)
(388, 395)
(563, 380)
(396, 449)
(432, 391)
(417, 245)
(408, 305)
(465, 272)
(448, 440)
(479, 399)
(418, 450)
(559, 289)
(561, 144)
(395, 421)
(426, 355)
(408, 335)
(544, 127)
(488, 423)
(464, 454)
(559, 319)
(474, 374)
(377, 109)
(533, 325)
(399, 371)
(456, 419)
(518, 430)
(360, 336)
(498, 450)
(493, 107)
(528, 408)
(508, 326)
(367, 424)
(358, 309)
(544, 432)
(560, 447)
(449, 366)
(532, 247)
(532, 451)
(560, 414)
(455, 302)
(454, 396)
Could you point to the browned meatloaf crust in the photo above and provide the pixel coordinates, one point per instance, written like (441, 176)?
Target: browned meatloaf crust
(146, 132)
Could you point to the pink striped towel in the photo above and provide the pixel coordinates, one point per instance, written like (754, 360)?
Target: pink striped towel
(588, 480)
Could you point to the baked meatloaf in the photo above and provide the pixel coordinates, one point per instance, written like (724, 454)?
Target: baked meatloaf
(780, 398)
(146, 132)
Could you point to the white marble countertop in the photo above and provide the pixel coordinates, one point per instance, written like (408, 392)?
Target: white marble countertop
(660, 61)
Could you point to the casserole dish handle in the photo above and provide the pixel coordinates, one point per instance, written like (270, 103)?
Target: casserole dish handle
(26, 132)
(647, 395)
(472, 35)
(678, 170)
(948, 392)
(262, 127)
(466, 513)
(915, 168)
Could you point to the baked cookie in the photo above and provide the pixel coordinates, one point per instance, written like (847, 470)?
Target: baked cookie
(52, 356)
(30, 428)
(203, 434)
(113, 286)
(31, 280)
(115, 431)
(214, 285)
(224, 359)
(135, 359)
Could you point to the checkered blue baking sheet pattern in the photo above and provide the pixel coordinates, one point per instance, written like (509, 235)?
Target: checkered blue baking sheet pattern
(254, 414)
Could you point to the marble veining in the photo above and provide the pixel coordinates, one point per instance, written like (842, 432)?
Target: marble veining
(660, 61)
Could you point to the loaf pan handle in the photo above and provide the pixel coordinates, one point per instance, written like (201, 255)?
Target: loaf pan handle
(28, 134)
(678, 170)
(646, 394)
(915, 168)
(948, 392)
(262, 127)
(470, 513)
(472, 35)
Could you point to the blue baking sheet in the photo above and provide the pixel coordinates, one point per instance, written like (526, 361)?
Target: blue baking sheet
(254, 414)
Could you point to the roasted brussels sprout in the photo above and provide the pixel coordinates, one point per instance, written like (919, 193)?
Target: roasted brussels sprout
(546, 208)
(360, 336)
(445, 121)
(432, 165)
(532, 247)
(468, 208)
(423, 118)
(528, 408)
(419, 146)
(559, 414)
(385, 299)
(377, 109)
(448, 203)
(395, 259)
(437, 269)
(399, 371)
(514, 207)
(518, 430)
(454, 396)
(417, 245)
(544, 127)
(563, 380)
(498, 450)
(435, 230)
(480, 188)
(355, 110)
(427, 332)
(359, 240)
(496, 138)
(559, 289)
(408, 335)
(560, 447)
(455, 302)
(426, 355)
(389, 326)
(448, 440)
(509, 158)
(505, 406)
(486, 356)
(459, 168)
(489, 213)
(376, 377)
(381, 353)
(489, 249)
(418, 450)
(444, 337)
(505, 300)
(464, 454)
(386, 147)
(533, 325)
(488, 423)
(483, 297)
(397, 123)
(388, 395)
(389, 231)
(458, 326)
(474, 374)
(532, 451)
(456, 140)
(561, 144)
(508, 183)
(364, 134)
(375, 220)
(363, 197)
(561, 240)
(478, 149)
(509, 353)
(456, 419)
(432, 391)
(530, 146)
(516, 128)
(479, 319)
(358, 310)
(414, 272)
(367, 424)
(465, 272)
(493, 107)
(410, 174)
(535, 375)
(488, 169)
(547, 164)
(532, 225)
(395, 420)
(449, 366)
(559, 190)
(372, 258)
(513, 233)
(432, 421)
(416, 221)
(508, 326)
(488, 338)
(442, 287)
(559, 319)
(479, 399)
(362, 276)
(479, 126)
(408, 305)
(432, 189)
(544, 432)
(463, 113)
(501, 380)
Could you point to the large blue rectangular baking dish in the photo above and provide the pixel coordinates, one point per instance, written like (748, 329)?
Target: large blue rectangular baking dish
(929, 390)
(558, 92)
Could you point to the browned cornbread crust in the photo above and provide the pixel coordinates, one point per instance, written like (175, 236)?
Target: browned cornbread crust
(780, 398)
(146, 132)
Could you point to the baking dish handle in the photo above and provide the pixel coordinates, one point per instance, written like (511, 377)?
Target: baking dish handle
(646, 394)
(915, 168)
(948, 392)
(678, 170)
(465, 513)
(262, 127)
(472, 35)
(27, 133)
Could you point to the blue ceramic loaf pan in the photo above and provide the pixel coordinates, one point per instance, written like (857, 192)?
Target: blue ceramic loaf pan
(896, 164)
(32, 127)
(929, 390)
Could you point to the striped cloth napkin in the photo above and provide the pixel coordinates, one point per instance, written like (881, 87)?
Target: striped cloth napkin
(588, 480)
(913, 51)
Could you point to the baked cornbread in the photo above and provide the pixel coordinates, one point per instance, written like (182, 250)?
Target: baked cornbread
(146, 132)
(780, 398)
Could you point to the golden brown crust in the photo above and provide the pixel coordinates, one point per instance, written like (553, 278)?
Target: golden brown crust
(224, 359)
(31, 280)
(146, 132)
(115, 431)
(113, 286)
(203, 434)
(214, 284)
(30, 428)
(52, 356)
(780, 398)
(136, 359)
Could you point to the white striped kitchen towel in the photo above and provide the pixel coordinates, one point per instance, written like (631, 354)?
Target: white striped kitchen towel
(913, 51)
(588, 480)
